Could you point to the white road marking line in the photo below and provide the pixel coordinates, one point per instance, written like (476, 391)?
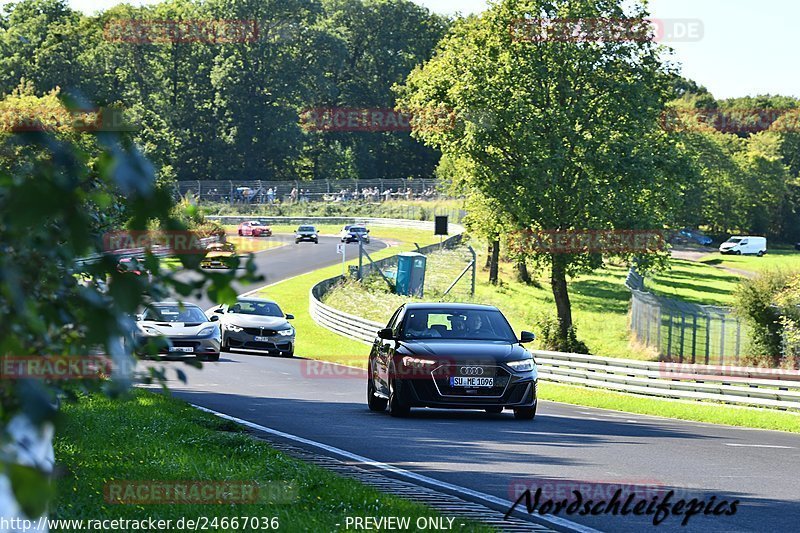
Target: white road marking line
(760, 446)
(552, 520)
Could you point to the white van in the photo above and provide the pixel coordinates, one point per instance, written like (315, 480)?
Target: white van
(744, 246)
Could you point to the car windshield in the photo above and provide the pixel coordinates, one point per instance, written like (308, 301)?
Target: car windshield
(306, 228)
(734, 240)
(246, 307)
(255, 223)
(221, 247)
(357, 229)
(174, 313)
(462, 324)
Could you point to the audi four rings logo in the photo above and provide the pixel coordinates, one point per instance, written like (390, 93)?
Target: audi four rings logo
(471, 371)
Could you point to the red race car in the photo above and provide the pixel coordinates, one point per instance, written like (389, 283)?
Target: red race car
(254, 228)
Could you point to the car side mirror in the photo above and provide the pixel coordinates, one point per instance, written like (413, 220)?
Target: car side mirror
(386, 334)
(219, 311)
(140, 317)
(526, 336)
(214, 318)
(289, 317)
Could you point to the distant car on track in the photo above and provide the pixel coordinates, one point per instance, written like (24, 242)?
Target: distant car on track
(450, 355)
(354, 233)
(219, 255)
(256, 324)
(185, 328)
(254, 228)
(306, 233)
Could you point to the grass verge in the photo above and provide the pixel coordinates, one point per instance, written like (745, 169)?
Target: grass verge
(315, 342)
(710, 412)
(786, 259)
(153, 437)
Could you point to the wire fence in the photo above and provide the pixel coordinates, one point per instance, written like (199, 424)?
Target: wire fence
(295, 191)
(685, 332)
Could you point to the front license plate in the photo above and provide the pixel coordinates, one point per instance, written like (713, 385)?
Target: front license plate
(261, 339)
(185, 349)
(471, 383)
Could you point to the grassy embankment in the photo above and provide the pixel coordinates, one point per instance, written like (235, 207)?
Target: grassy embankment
(599, 300)
(152, 437)
(600, 303)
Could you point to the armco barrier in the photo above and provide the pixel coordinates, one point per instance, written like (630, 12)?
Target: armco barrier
(735, 385)
(352, 326)
(129, 253)
(399, 222)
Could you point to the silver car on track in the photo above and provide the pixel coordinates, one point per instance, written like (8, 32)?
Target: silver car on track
(255, 325)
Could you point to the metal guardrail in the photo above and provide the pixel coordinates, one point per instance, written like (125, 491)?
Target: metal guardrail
(773, 388)
(398, 222)
(158, 251)
(352, 326)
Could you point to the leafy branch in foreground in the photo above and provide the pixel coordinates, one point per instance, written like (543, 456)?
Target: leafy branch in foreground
(60, 191)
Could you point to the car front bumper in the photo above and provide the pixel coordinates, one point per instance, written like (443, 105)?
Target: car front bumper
(299, 238)
(273, 345)
(181, 346)
(511, 390)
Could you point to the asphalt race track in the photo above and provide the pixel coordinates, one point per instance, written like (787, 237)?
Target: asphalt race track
(566, 448)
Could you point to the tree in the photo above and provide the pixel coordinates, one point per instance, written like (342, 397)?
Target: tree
(59, 194)
(571, 141)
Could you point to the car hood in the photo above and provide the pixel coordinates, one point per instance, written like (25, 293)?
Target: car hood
(729, 245)
(255, 321)
(175, 329)
(464, 351)
(220, 254)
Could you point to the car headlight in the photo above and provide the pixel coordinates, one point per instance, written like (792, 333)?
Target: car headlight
(208, 330)
(415, 362)
(152, 332)
(233, 327)
(286, 332)
(525, 365)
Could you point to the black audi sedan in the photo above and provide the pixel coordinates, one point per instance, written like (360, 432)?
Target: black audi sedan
(452, 356)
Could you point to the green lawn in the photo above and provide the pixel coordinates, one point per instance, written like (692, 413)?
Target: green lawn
(710, 412)
(695, 282)
(788, 259)
(154, 438)
(316, 342)
(599, 300)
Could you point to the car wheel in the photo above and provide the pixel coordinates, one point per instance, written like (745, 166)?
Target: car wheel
(212, 357)
(494, 410)
(525, 413)
(226, 346)
(738, 252)
(373, 402)
(396, 406)
(296, 241)
(288, 354)
(240, 233)
(316, 241)
(761, 253)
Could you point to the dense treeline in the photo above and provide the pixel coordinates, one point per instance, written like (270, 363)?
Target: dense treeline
(746, 156)
(229, 110)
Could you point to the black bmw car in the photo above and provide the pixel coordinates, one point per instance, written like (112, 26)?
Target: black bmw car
(457, 356)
